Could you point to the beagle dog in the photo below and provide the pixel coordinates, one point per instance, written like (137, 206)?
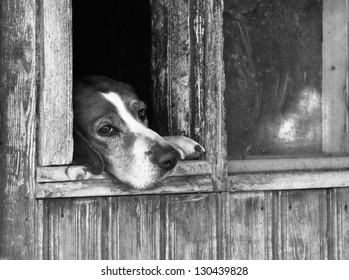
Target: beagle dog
(111, 134)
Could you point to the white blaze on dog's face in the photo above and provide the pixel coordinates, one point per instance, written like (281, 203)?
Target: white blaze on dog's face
(115, 125)
(137, 167)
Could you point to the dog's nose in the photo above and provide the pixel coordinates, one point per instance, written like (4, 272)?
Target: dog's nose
(168, 159)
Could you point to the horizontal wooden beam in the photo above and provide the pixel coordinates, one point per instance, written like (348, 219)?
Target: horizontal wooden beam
(194, 176)
(93, 188)
(289, 181)
(287, 164)
(80, 173)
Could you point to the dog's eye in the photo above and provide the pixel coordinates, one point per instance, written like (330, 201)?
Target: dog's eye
(107, 130)
(142, 114)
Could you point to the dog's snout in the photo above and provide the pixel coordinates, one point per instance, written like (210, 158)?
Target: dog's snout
(167, 160)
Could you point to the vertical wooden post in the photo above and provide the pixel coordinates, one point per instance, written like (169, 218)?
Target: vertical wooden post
(335, 76)
(55, 137)
(17, 129)
(215, 134)
(159, 69)
(188, 74)
(171, 65)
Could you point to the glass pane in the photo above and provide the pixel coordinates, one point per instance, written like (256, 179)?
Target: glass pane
(273, 70)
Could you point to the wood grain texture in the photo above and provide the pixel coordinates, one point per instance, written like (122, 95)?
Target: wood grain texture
(179, 67)
(18, 130)
(159, 64)
(189, 227)
(251, 225)
(289, 225)
(139, 227)
(80, 173)
(102, 228)
(55, 108)
(91, 188)
(338, 223)
(335, 76)
(187, 61)
(215, 135)
(287, 164)
(74, 229)
(171, 66)
(300, 225)
(288, 180)
(197, 69)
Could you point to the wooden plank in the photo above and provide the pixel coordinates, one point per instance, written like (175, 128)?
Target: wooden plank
(139, 227)
(215, 135)
(55, 143)
(171, 66)
(335, 76)
(289, 181)
(91, 188)
(80, 173)
(224, 240)
(159, 64)
(110, 228)
(287, 164)
(251, 225)
(39, 227)
(187, 61)
(301, 224)
(103, 228)
(178, 67)
(197, 24)
(188, 227)
(74, 229)
(18, 130)
(338, 223)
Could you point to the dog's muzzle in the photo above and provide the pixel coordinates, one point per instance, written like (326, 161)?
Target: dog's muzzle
(166, 158)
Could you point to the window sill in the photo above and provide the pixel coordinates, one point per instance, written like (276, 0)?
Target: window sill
(76, 181)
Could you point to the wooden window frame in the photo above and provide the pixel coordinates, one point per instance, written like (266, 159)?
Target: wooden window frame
(194, 105)
(189, 69)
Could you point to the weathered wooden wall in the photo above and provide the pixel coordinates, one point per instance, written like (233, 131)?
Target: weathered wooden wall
(294, 225)
(133, 227)
(224, 221)
(18, 130)
(188, 76)
(54, 41)
(219, 221)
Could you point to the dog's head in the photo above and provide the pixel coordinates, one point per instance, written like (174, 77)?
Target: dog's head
(111, 133)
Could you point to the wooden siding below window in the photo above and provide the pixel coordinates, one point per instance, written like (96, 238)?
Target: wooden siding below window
(299, 224)
(137, 227)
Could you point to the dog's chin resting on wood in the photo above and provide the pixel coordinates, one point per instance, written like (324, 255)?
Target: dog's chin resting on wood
(111, 134)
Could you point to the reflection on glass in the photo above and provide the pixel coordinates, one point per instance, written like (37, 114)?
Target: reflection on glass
(273, 70)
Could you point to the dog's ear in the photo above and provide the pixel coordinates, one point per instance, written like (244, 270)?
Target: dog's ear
(85, 154)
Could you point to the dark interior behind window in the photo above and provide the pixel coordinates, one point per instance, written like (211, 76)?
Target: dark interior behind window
(112, 38)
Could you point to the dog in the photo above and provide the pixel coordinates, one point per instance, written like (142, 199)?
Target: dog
(111, 134)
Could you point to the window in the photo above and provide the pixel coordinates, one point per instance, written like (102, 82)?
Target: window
(183, 100)
(286, 91)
